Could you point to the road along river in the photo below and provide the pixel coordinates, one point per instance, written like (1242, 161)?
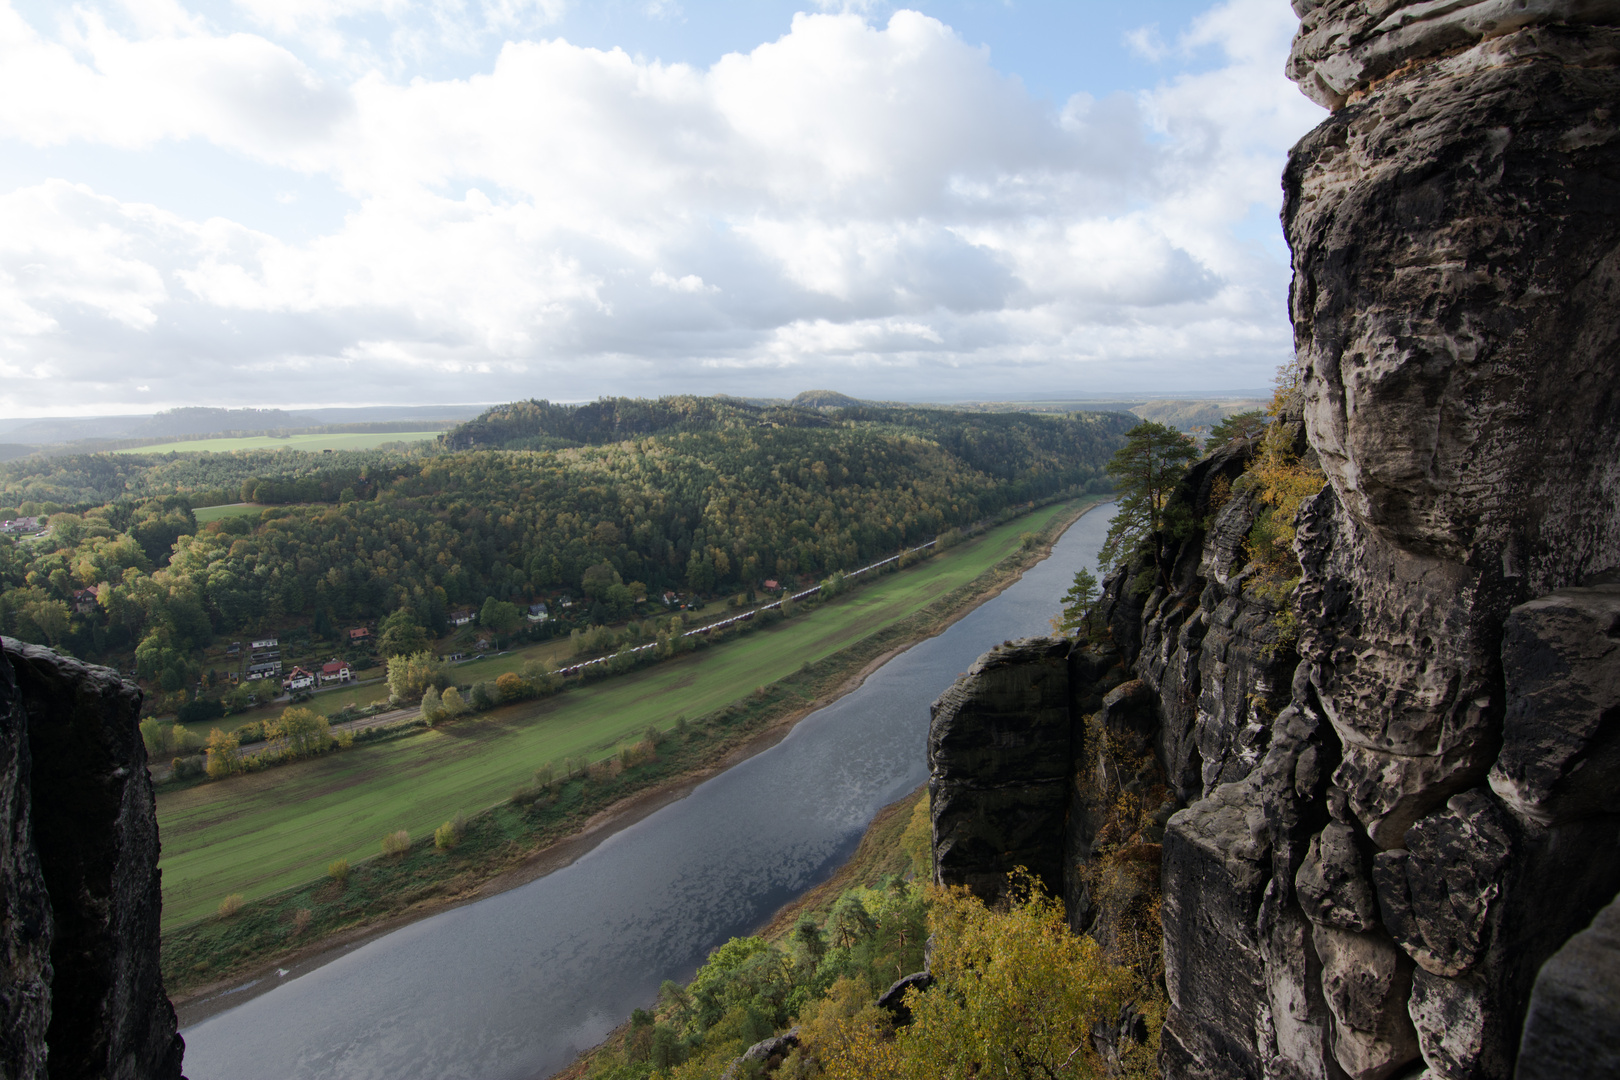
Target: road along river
(514, 986)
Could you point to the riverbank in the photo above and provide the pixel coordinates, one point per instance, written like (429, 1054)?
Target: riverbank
(515, 842)
(881, 854)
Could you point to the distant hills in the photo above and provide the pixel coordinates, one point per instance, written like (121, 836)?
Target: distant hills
(91, 433)
(54, 435)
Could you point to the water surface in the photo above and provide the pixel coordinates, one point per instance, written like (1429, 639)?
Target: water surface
(514, 986)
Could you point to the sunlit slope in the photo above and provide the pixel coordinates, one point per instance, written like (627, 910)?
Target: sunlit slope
(260, 833)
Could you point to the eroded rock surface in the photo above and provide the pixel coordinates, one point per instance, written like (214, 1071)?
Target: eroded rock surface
(1394, 820)
(25, 907)
(1561, 734)
(999, 760)
(94, 833)
(1452, 737)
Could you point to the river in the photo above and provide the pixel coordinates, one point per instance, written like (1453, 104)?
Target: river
(514, 986)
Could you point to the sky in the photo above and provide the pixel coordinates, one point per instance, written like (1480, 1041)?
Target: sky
(362, 202)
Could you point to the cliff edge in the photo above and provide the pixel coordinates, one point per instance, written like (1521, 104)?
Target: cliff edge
(1394, 797)
(80, 899)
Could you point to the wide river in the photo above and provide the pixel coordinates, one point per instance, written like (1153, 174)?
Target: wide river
(514, 986)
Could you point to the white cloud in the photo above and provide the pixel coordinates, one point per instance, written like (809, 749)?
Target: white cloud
(877, 201)
(1146, 42)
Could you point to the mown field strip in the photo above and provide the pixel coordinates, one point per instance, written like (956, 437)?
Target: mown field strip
(263, 832)
(363, 440)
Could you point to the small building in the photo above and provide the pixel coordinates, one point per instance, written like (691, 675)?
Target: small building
(359, 633)
(265, 643)
(538, 613)
(481, 645)
(233, 649)
(335, 671)
(671, 598)
(461, 617)
(772, 585)
(300, 679)
(84, 601)
(266, 670)
(19, 525)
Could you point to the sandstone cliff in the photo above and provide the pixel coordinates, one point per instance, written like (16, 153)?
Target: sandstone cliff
(81, 994)
(1394, 821)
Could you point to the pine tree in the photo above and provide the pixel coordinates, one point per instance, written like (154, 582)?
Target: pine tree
(1146, 470)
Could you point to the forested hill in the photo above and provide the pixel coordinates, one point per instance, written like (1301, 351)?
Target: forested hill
(716, 498)
(202, 478)
(542, 425)
(1007, 446)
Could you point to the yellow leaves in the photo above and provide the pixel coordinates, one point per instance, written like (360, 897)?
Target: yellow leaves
(1016, 996)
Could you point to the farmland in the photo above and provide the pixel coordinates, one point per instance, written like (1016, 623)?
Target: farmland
(367, 440)
(266, 831)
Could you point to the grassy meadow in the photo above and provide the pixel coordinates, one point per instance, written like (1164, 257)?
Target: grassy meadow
(220, 513)
(365, 440)
(267, 831)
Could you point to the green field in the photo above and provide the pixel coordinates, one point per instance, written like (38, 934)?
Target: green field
(365, 440)
(264, 832)
(218, 513)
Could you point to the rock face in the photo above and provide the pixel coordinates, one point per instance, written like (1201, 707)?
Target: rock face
(1393, 821)
(1573, 1027)
(81, 888)
(999, 761)
(1456, 239)
(25, 908)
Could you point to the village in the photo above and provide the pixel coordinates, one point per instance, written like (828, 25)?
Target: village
(262, 658)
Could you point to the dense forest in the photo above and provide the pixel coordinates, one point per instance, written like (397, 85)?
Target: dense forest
(634, 497)
(79, 482)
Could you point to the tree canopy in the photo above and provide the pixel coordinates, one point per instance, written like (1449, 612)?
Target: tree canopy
(1246, 427)
(1145, 470)
(1078, 603)
(619, 500)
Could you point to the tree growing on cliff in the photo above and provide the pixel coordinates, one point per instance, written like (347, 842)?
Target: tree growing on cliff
(1146, 470)
(1077, 604)
(1246, 427)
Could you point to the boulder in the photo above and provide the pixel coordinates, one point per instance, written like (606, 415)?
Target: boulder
(764, 1052)
(1366, 981)
(1561, 728)
(1439, 895)
(1333, 885)
(894, 998)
